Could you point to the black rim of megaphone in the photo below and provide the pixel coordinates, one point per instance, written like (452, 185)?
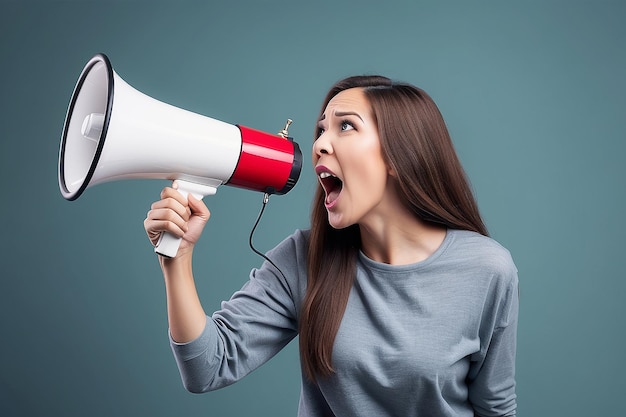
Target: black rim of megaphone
(94, 163)
(296, 168)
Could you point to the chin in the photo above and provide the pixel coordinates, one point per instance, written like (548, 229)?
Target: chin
(338, 224)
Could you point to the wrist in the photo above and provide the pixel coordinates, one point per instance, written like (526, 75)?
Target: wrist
(181, 262)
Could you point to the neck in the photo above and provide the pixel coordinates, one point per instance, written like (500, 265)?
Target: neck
(402, 240)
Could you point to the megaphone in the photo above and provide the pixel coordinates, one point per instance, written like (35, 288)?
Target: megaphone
(114, 132)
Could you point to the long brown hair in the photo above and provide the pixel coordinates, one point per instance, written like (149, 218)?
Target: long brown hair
(431, 181)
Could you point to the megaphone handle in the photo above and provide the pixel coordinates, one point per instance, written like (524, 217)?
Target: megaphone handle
(168, 243)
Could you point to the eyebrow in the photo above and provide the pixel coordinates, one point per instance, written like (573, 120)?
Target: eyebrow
(342, 114)
(347, 113)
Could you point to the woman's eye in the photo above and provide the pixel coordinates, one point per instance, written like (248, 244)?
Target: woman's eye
(345, 125)
(320, 131)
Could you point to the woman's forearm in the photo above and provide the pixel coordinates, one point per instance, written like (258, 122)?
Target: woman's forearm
(186, 316)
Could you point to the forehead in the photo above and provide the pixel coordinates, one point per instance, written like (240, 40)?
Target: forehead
(351, 99)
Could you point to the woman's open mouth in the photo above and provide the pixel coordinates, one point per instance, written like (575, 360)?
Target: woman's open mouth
(332, 187)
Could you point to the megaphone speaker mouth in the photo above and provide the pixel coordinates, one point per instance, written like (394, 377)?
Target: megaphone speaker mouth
(85, 127)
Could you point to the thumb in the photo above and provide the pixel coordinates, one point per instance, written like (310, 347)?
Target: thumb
(198, 208)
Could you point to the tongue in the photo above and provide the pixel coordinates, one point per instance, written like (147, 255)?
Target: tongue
(332, 195)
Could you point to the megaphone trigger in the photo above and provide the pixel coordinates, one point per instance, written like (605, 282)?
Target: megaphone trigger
(197, 190)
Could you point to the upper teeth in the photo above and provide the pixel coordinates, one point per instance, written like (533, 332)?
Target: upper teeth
(326, 175)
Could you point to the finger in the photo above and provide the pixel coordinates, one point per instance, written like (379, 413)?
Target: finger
(154, 229)
(167, 216)
(169, 192)
(169, 203)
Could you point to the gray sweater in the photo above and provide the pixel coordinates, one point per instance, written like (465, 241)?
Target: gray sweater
(435, 338)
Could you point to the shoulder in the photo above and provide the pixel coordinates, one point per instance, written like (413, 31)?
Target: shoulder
(484, 263)
(482, 252)
(297, 242)
(284, 269)
(490, 268)
(291, 253)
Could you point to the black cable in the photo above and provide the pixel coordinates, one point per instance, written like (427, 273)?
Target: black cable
(266, 198)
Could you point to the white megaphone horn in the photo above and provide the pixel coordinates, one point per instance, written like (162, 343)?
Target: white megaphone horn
(114, 132)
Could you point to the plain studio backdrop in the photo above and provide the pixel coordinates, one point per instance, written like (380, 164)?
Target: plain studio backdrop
(534, 94)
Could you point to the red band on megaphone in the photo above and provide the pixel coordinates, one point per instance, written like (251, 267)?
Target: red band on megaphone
(268, 163)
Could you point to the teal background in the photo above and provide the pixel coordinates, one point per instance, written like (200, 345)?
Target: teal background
(534, 94)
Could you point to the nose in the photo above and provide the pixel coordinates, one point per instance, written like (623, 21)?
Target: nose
(322, 145)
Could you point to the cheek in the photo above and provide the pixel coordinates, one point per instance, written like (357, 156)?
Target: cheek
(371, 175)
(373, 165)
(378, 178)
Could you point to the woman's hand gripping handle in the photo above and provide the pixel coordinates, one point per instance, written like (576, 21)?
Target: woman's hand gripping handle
(176, 221)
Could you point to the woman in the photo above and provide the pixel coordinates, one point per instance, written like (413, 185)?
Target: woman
(402, 303)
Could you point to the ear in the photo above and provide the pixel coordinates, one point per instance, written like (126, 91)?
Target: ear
(391, 172)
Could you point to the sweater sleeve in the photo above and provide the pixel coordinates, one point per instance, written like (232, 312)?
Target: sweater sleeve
(491, 378)
(250, 328)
